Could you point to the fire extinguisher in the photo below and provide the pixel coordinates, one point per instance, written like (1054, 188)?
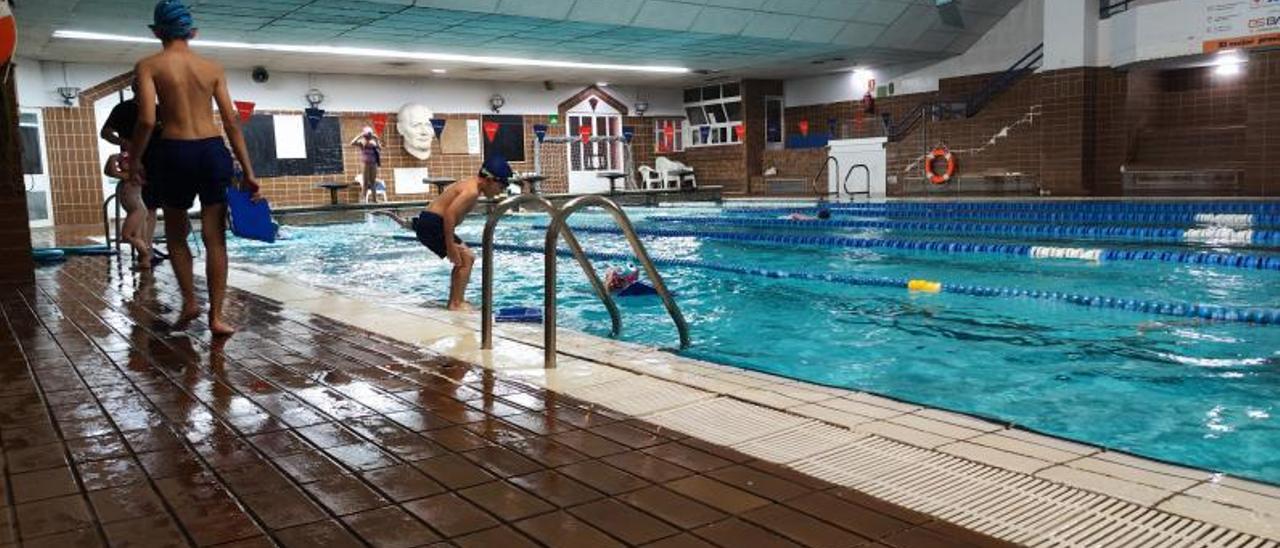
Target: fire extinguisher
(869, 100)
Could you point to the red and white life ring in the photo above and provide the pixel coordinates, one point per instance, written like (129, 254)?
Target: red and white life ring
(8, 32)
(936, 154)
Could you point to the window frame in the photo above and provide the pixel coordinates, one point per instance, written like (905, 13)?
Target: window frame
(721, 133)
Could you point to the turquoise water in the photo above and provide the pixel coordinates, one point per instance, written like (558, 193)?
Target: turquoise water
(1181, 390)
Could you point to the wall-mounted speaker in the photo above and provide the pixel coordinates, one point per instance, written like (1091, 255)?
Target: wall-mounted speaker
(260, 75)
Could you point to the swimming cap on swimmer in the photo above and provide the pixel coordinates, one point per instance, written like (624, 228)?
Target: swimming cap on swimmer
(496, 167)
(172, 20)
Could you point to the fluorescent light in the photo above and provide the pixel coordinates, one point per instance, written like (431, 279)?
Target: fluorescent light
(602, 84)
(372, 52)
(1227, 69)
(1228, 63)
(439, 71)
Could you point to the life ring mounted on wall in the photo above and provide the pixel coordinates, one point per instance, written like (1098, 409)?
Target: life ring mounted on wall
(940, 152)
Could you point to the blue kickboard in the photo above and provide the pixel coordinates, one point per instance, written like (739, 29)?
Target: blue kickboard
(48, 255)
(637, 289)
(249, 219)
(89, 250)
(519, 314)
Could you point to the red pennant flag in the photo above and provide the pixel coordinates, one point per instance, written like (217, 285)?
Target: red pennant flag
(379, 121)
(585, 133)
(804, 127)
(245, 108)
(740, 130)
(669, 130)
(490, 130)
(593, 102)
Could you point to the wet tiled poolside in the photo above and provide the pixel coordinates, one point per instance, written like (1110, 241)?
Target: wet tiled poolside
(121, 428)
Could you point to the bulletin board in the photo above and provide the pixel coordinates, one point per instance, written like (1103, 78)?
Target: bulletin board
(323, 148)
(454, 138)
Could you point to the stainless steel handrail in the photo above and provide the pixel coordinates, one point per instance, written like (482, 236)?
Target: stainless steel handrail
(822, 194)
(106, 221)
(486, 313)
(845, 184)
(560, 223)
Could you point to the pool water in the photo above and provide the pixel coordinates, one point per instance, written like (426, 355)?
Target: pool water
(1182, 390)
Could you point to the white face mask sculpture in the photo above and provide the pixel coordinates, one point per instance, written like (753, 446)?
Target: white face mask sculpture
(414, 124)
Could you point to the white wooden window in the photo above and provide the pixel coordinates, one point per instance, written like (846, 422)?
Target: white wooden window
(714, 113)
(668, 135)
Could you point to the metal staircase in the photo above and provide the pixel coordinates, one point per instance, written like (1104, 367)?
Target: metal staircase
(966, 107)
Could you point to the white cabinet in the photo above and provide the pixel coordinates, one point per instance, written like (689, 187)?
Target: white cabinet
(852, 181)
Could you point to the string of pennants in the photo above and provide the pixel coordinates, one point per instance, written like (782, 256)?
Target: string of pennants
(584, 133)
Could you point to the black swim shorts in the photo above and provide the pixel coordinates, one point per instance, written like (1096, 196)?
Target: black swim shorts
(430, 230)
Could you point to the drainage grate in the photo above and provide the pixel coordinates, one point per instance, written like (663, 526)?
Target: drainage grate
(1005, 504)
(726, 421)
(639, 395)
(797, 443)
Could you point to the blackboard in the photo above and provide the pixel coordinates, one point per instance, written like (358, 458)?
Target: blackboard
(324, 148)
(510, 138)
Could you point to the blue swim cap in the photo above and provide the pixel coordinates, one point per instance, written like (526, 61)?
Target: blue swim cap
(496, 167)
(172, 20)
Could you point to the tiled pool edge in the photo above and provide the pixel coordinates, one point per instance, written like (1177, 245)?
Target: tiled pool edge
(1011, 484)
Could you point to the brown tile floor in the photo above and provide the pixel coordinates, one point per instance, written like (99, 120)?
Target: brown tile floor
(120, 429)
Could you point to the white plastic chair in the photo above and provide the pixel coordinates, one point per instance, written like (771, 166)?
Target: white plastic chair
(650, 179)
(666, 168)
(379, 190)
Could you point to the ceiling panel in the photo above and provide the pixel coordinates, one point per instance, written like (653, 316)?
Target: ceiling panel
(725, 38)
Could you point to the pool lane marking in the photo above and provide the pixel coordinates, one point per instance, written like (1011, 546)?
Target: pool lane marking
(1229, 260)
(1257, 315)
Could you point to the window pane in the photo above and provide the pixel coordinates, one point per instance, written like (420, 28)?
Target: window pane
(31, 154)
(710, 92)
(693, 95)
(734, 111)
(696, 116)
(731, 90)
(716, 114)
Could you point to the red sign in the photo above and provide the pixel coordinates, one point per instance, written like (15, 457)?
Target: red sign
(585, 133)
(379, 121)
(740, 130)
(8, 32)
(804, 127)
(245, 108)
(490, 130)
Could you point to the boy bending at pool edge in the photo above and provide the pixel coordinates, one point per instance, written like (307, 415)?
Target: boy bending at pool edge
(435, 226)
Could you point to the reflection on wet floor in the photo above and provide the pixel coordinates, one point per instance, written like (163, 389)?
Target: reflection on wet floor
(119, 428)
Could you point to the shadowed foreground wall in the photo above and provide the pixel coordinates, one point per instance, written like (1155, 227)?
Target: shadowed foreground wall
(15, 236)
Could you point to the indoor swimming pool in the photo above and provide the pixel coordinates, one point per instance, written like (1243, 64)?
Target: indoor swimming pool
(1132, 343)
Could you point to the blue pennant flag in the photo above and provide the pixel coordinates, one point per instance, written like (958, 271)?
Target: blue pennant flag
(437, 124)
(628, 133)
(314, 115)
(540, 131)
(706, 133)
(832, 126)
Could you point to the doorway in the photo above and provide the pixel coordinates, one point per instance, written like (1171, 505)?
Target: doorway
(35, 168)
(588, 160)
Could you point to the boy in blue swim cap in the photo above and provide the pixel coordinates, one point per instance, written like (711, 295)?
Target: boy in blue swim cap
(189, 157)
(435, 226)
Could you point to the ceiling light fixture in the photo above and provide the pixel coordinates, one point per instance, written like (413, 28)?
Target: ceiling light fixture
(602, 84)
(372, 52)
(439, 71)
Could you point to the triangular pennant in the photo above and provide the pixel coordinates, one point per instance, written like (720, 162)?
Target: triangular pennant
(628, 133)
(594, 103)
(314, 115)
(245, 108)
(804, 127)
(491, 130)
(437, 124)
(706, 133)
(585, 133)
(739, 130)
(669, 129)
(379, 121)
(540, 131)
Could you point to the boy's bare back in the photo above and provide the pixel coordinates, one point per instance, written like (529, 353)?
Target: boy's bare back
(185, 84)
(460, 198)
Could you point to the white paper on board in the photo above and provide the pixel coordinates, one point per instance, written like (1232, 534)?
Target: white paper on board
(291, 143)
(473, 137)
(409, 180)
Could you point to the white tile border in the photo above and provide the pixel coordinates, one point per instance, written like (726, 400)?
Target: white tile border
(749, 410)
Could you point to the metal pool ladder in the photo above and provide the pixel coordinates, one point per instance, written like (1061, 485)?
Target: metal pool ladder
(558, 226)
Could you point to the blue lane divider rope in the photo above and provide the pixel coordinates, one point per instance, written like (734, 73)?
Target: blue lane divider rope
(1174, 219)
(1227, 260)
(1225, 207)
(1061, 232)
(1270, 316)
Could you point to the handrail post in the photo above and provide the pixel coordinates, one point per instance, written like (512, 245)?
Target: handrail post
(560, 221)
(845, 183)
(486, 268)
(825, 164)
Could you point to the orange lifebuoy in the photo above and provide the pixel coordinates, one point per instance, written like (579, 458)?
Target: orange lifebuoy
(934, 155)
(8, 32)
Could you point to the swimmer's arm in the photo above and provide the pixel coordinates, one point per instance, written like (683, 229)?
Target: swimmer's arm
(113, 168)
(146, 120)
(231, 125)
